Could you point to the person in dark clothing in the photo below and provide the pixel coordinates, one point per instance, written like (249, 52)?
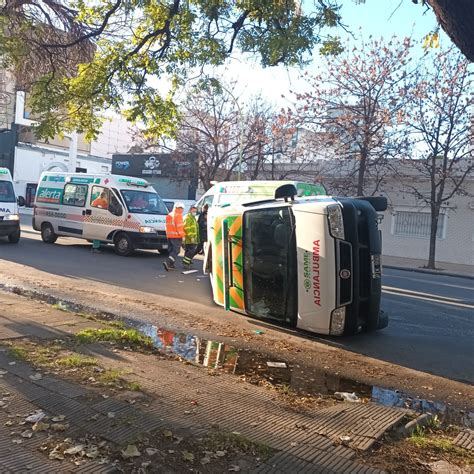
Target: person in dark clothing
(202, 223)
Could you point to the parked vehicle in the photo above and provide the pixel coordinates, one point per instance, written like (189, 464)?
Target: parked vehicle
(231, 192)
(120, 210)
(9, 216)
(312, 263)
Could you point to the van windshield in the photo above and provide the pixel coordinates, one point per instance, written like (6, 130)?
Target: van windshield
(6, 192)
(270, 263)
(142, 202)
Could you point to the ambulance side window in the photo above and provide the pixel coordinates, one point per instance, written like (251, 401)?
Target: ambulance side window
(114, 206)
(100, 197)
(75, 194)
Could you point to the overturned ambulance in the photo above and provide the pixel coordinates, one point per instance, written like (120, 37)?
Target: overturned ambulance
(312, 263)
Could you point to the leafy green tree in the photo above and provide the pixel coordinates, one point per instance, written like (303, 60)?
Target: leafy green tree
(76, 57)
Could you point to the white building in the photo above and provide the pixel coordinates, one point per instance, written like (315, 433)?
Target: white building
(71, 153)
(406, 224)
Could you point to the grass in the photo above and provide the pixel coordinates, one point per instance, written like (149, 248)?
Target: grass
(76, 361)
(123, 337)
(115, 377)
(425, 439)
(236, 442)
(18, 352)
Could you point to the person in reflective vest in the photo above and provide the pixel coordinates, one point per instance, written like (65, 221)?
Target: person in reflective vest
(174, 234)
(191, 236)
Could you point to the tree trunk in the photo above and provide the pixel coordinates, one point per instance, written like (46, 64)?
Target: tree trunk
(456, 17)
(433, 232)
(361, 175)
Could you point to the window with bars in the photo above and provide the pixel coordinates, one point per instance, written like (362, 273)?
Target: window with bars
(417, 224)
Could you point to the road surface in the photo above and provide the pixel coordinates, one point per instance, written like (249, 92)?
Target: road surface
(431, 316)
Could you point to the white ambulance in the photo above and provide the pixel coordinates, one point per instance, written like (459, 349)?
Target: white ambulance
(312, 263)
(120, 210)
(9, 217)
(233, 192)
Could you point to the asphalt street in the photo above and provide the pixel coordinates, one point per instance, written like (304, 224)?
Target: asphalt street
(431, 316)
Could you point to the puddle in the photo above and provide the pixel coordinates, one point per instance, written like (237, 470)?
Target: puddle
(255, 366)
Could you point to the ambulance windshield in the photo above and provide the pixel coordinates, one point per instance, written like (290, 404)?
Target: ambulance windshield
(6, 192)
(270, 263)
(142, 202)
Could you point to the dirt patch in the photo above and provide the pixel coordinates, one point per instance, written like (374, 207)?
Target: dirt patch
(211, 322)
(420, 451)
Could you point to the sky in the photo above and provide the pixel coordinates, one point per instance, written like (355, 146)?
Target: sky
(379, 18)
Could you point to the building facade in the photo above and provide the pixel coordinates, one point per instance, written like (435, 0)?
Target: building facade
(406, 223)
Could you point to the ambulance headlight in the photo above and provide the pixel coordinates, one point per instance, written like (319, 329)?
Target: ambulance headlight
(338, 319)
(147, 230)
(11, 217)
(336, 222)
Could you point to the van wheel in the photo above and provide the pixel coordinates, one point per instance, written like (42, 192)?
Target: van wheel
(123, 245)
(47, 234)
(15, 237)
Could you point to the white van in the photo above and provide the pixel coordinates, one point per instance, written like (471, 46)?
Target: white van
(120, 210)
(234, 192)
(9, 217)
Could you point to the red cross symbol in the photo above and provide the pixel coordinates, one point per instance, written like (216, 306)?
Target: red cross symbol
(106, 180)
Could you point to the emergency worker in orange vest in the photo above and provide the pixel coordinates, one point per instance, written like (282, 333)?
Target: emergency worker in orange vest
(175, 234)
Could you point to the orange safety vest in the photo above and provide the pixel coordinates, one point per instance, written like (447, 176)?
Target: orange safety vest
(174, 225)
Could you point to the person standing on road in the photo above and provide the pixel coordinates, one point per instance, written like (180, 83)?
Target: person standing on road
(174, 234)
(202, 223)
(191, 236)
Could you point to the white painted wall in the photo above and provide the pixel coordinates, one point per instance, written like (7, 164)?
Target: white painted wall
(31, 161)
(115, 137)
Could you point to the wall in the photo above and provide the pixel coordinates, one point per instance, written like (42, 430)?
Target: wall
(31, 161)
(455, 246)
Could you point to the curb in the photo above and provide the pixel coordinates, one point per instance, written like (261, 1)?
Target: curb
(430, 272)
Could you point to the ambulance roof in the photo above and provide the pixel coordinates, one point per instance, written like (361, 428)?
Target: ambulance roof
(97, 178)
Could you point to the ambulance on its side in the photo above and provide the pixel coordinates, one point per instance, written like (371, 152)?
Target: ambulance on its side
(311, 263)
(121, 210)
(9, 217)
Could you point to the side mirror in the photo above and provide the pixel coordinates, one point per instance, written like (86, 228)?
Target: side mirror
(21, 201)
(116, 210)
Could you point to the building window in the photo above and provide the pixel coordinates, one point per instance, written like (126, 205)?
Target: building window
(417, 224)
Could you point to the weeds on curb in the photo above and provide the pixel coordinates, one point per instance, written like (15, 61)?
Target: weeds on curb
(76, 361)
(123, 337)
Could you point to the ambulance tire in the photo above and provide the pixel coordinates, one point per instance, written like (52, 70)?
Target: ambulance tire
(15, 237)
(47, 234)
(123, 245)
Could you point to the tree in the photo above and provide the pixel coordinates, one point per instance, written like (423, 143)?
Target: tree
(353, 108)
(229, 136)
(440, 121)
(456, 19)
(123, 48)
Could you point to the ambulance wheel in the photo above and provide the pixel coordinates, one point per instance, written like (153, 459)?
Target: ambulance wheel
(47, 234)
(123, 245)
(15, 237)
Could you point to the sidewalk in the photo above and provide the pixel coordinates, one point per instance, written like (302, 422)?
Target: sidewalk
(106, 407)
(413, 264)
